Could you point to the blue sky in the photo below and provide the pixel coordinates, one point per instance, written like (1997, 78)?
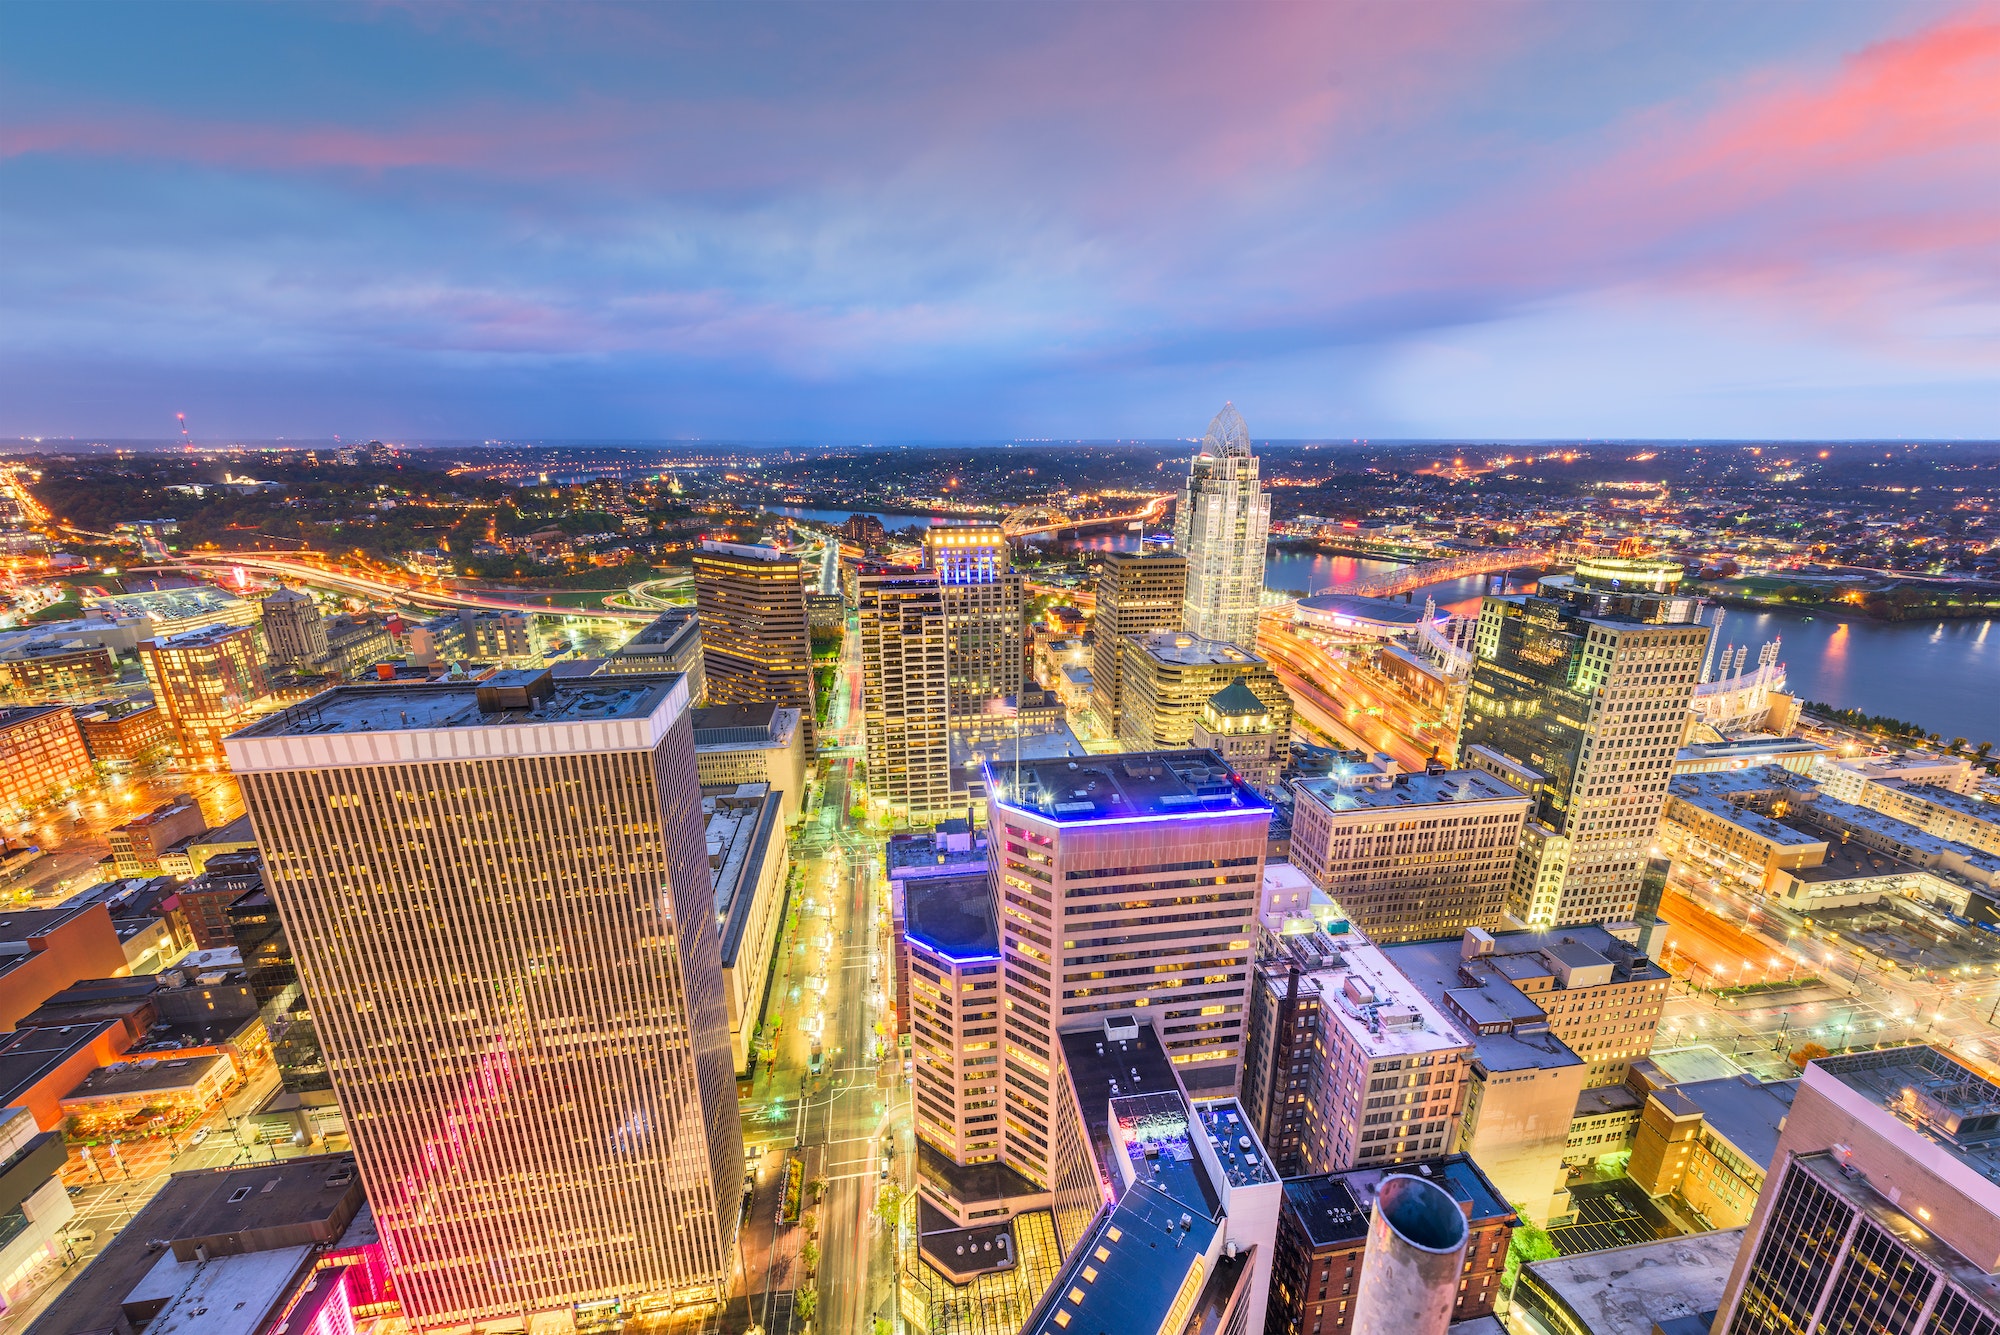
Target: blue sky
(974, 222)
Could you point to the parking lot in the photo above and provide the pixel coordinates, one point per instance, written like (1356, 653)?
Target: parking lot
(1610, 1214)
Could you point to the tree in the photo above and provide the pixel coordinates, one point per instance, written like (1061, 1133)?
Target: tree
(818, 1188)
(1809, 1052)
(1958, 744)
(1985, 749)
(809, 1255)
(807, 1303)
(889, 1204)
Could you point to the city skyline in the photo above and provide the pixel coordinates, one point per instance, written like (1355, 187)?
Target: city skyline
(893, 224)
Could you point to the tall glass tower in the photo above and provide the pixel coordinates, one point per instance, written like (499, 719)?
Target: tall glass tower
(1221, 526)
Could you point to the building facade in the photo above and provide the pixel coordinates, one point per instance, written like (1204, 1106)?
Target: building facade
(1088, 855)
(1882, 1210)
(905, 691)
(1409, 856)
(1137, 592)
(498, 898)
(1221, 527)
(756, 646)
(1371, 1073)
(983, 606)
(1168, 676)
(42, 757)
(294, 631)
(210, 682)
(1579, 696)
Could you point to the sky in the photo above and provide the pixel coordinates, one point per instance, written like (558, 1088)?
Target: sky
(994, 221)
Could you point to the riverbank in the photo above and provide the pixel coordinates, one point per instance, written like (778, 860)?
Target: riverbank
(1885, 601)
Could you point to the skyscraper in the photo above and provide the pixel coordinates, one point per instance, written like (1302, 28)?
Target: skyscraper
(1881, 1212)
(210, 682)
(756, 646)
(499, 902)
(904, 693)
(1221, 526)
(1136, 592)
(1579, 697)
(1124, 883)
(983, 614)
(293, 629)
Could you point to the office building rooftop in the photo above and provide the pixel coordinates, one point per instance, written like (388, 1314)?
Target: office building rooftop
(953, 915)
(1702, 793)
(1943, 1101)
(1383, 1012)
(1636, 1290)
(510, 698)
(1124, 787)
(1379, 790)
(1333, 1207)
(1185, 650)
(1744, 1110)
(1243, 1163)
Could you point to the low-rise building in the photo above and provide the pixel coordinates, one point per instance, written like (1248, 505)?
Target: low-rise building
(147, 1096)
(1605, 1120)
(42, 758)
(50, 669)
(750, 863)
(138, 845)
(233, 1252)
(43, 951)
(123, 733)
(1669, 1287)
(1409, 856)
(38, 1066)
(1710, 1143)
(34, 1207)
(1322, 1243)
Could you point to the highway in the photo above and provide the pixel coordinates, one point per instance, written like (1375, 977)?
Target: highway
(1309, 673)
(305, 572)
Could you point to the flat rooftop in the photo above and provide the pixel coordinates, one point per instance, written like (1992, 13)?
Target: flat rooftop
(1628, 1290)
(200, 638)
(921, 852)
(1910, 836)
(1333, 1208)
(1410, 790)
(1384, 1013)
(145, 1076)
(953, 916)
(1742, 1109)
(445, 705)
(1948, 1104)
(1931, 794)
(1140, 784)
(1243, 1159)
(228, 1211)
(28, 1056)
(1339, 607)
(1433, 967)
(1185, 650)
(1705, 797)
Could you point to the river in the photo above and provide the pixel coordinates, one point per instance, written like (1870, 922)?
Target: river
(1942, 674)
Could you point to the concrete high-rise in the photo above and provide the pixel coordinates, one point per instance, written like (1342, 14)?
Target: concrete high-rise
(984, 658)
(1882, 1208)
(499, 901)
(1168, 677)
(1137, 592)
(1579, 697)
(1125, 884)
(756, 645)
(1221, 528)
(1408, 857)
(294, 631)
(210, 682)
(904, 692)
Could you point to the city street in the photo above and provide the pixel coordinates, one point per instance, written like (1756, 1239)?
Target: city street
(832, 984)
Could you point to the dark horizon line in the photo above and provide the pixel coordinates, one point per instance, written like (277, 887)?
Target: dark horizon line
(48, 445)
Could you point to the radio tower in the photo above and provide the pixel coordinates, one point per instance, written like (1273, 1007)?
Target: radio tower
(187, 441)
